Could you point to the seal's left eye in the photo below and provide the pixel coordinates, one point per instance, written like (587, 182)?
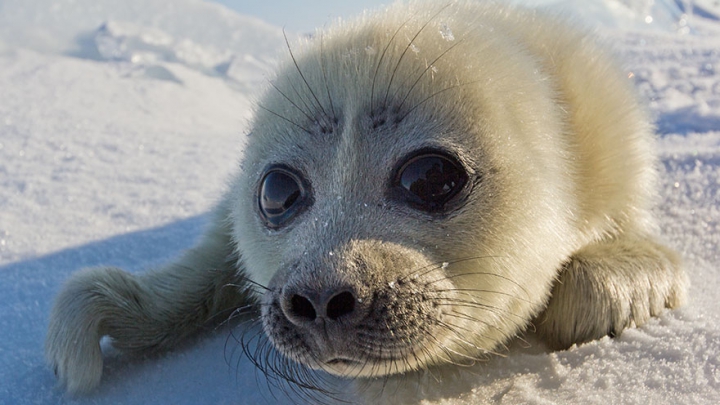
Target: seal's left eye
(430, 180)
(281, 196)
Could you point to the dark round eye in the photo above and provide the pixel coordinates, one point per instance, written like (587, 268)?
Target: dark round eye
(431, 180)
(281, 196)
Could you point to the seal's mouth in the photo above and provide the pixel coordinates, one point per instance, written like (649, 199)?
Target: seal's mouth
(351, 367)
(338, 361)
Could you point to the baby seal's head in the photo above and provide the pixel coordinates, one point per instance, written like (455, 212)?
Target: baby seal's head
(399, 196)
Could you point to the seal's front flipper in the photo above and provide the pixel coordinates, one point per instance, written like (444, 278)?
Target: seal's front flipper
(608, 286)
(151, 312)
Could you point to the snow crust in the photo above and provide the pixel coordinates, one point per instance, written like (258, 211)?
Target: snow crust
(120, 122)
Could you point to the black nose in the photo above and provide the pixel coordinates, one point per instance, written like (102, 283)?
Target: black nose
(305, 307)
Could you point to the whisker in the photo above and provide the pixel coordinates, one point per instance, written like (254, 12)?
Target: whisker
(482, 273)
(302, 76)
(256, 284)
(434, 266)
(409, 45)
(282, 374)
(457, 338)
(467, 292)
(325, 80)
(422, 271)
(382, 56)
(426, 99)
(307, 103)
(471, 304)
(420, 76)
(465, 317)
(286, 97)
(234, 314)
(285, 119)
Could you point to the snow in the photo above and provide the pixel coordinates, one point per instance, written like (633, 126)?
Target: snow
(121, 121)
(300, 16)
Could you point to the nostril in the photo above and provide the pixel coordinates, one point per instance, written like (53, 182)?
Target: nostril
(302, 308)
(341, 304)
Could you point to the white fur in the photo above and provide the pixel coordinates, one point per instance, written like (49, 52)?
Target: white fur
(557, 230)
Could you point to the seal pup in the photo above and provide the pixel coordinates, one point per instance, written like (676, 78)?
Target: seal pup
(419, 186)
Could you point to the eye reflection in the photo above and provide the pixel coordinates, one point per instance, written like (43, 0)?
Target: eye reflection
(280, 196)
(431, 180)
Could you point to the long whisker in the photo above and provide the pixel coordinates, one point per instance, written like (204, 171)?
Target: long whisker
(285, 119)
(422, 271)
(292, 102)
(458, 303)
(282, 374)
(382, 56)
(292, 56)
(408, 47)
(420, 76)
(489, 274)
(233, 315)
(256, 284)
(458, 338)
(467, 291)
(426, 99)
(459, 315)
(325, 79)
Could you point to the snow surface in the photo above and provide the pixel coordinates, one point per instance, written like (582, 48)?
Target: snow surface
(120, 122)
(301, 16)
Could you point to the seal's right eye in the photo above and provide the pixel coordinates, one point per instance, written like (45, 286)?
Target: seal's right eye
(281, 197)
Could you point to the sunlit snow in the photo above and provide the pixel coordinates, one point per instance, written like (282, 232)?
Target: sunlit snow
(121, 121)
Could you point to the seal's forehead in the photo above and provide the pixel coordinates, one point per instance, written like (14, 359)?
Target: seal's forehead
(382, 61)
(346, 87)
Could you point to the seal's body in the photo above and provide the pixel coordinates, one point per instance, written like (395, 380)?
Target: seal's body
(418, 187)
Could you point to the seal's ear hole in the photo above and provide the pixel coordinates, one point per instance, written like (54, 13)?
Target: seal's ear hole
(429, 180)
(282, 195)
